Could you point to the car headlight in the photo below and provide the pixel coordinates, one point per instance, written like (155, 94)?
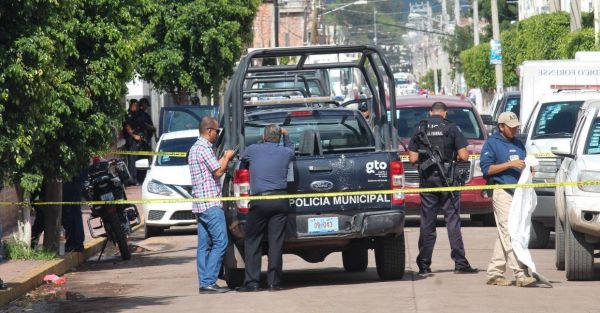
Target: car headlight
(477, 169)
(587, 176)
(159, 188)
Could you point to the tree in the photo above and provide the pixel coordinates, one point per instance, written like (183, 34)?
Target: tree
(194, 44)
(581, 40)
(63, 71)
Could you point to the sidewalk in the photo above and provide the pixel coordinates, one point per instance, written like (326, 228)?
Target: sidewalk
(24, 276)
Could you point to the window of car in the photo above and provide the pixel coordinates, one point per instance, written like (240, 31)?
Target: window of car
(174, 145)
(464, 118)
(512, 105)
(184, 118)
(556, 119)
(592, 145)
(336, 131)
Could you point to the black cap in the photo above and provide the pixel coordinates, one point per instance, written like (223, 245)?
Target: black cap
(363, 107)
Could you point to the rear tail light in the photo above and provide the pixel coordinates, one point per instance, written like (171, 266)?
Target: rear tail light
(397, 179)
(241, 188)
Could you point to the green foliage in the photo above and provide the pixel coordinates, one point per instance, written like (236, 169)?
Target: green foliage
(461, 41)
(537, 38)
(582, 40)
(478, 70)
(19, 250)
(194, 44)
(427, 81)
(63, 71)
(587, 19)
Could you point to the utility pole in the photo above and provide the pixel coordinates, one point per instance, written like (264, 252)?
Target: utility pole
(575, 15)
(554, 6)
(476, 22)
(496, 36)
(314, 37)
(596, 19)
(374, 26)
(276, 21)
(456, 12)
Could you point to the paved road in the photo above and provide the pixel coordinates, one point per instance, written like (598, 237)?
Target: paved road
(164, 280)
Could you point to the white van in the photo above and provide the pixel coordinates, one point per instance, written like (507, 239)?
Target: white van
(550, 127)
(538, 77)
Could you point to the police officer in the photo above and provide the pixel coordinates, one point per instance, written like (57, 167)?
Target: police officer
(443, 136)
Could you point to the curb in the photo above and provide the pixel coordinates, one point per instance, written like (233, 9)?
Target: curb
(34, 278)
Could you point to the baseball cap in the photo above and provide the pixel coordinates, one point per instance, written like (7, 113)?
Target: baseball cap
(510, 119)
(363, 107)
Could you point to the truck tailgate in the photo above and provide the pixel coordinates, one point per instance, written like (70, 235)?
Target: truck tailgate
(339, 173)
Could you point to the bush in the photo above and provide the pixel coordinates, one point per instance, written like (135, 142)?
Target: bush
(478, 70)
(581, 40)
(19, 250)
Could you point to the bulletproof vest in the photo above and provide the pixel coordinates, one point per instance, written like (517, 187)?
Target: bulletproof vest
(437, 131)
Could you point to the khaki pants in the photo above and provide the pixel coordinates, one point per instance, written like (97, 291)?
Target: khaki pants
(503, 251)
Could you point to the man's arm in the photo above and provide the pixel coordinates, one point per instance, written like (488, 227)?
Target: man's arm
(223, 162)
(413, 157)
(461, 143)
(498, 168)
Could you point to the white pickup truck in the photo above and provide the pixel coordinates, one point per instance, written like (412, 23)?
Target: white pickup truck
(550, 127)
(577, 211)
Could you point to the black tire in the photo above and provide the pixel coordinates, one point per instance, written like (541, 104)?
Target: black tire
(234, 277)
(116, 233)
(579, 256)
(355, 259)
(390, 257)
(152, 231)
(559, 245)
(539, 235)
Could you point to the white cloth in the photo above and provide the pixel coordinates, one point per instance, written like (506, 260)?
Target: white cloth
(519, 218)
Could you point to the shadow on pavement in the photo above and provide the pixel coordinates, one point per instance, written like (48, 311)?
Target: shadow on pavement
(110, 304)
(332, 276)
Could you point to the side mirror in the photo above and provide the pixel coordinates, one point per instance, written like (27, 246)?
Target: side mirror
(488, 119)
(562, 153)
(142, 164)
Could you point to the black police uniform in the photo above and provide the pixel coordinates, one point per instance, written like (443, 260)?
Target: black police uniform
(136, 122)
(448, 138)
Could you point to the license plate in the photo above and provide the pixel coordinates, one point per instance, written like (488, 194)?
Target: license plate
(107, 197)
(323, 225)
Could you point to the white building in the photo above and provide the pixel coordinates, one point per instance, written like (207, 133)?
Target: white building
(529, 8)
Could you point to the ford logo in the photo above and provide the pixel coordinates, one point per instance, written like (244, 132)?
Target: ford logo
(321, 185)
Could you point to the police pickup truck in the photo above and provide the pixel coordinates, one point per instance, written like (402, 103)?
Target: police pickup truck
(336, 151)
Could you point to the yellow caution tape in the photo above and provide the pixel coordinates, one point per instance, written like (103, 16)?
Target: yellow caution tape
(404, 158)
(151, 153)
(326, 194)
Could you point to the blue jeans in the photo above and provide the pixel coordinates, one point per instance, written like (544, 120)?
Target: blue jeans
(212, 242)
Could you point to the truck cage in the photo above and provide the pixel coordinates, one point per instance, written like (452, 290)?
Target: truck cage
(371, 58)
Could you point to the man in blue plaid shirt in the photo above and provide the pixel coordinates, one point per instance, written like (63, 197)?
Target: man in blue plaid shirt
(205, 170)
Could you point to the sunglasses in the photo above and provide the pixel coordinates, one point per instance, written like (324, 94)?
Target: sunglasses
(215, 129)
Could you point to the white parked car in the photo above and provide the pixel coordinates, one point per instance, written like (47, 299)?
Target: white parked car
(578, 208)
(168, 178)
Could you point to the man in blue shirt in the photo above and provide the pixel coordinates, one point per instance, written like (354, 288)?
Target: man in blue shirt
(269, 164)
(502, 161)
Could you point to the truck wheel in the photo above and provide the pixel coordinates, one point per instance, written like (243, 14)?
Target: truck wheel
(539, 235)
(390, 257)
(559, 245)
(151, 231)
(355, 259)
(234, 277)
(579, 258)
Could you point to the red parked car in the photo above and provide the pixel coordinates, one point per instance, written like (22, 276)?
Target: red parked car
(411, 110)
